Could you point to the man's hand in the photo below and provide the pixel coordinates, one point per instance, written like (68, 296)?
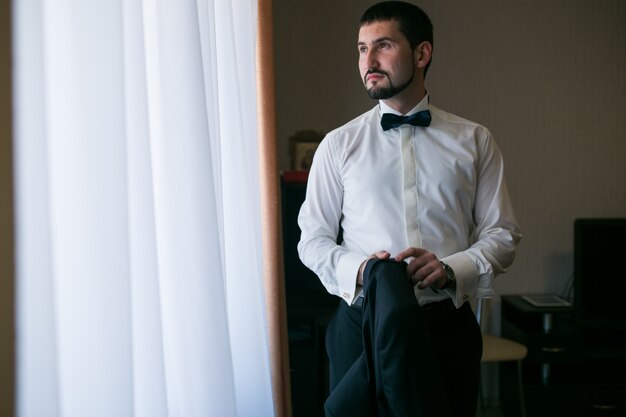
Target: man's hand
(424, 269)
(381, 254)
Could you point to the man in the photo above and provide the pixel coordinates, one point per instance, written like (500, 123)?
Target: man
(424, 210)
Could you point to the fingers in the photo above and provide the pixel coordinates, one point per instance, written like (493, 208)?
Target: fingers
(410, 253)
(381, 254)
(431, 275)
(424, 269)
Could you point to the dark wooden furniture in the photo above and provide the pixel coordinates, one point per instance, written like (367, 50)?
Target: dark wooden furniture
(309, 307)
(568, 371)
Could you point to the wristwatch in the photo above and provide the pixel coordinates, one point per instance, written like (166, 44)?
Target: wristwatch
(450, 277)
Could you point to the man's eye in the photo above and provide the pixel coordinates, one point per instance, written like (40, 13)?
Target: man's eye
(362, 50)
(383, 45)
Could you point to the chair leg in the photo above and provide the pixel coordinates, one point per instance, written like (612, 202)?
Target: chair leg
(520, 385)
(481, 396)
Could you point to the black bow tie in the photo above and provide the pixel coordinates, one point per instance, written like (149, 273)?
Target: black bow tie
(390, 120)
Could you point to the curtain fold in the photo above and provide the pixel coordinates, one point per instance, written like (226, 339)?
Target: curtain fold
(139, 255)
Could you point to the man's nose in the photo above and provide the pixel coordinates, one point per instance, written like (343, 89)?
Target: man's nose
(371, 59)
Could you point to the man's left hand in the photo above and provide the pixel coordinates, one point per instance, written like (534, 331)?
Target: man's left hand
(424, 269)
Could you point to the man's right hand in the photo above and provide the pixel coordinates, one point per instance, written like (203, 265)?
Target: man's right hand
(381, 254)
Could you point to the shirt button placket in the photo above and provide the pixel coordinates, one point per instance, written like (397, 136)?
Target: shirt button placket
(410, 186)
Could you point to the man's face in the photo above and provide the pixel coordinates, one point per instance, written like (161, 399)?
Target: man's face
(386, 60)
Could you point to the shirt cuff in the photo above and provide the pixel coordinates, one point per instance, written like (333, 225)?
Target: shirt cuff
(466, 275)
(347, 271)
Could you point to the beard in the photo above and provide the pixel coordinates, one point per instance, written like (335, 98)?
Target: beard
(384, 93)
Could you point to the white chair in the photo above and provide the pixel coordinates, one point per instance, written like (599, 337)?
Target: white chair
(499, 349)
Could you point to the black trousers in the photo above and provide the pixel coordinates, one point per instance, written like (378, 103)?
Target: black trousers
(391, 357)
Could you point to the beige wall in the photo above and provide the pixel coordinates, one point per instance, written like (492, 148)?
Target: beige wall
(547, 77)
(6, 220)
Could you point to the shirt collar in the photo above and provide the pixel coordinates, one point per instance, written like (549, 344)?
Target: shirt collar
(422, 105)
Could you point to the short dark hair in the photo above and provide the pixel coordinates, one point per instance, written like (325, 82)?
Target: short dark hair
(413, 22)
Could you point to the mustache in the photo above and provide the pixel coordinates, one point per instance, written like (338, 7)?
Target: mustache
(374, 71)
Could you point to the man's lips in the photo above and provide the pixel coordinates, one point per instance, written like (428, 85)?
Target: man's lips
(374, 76)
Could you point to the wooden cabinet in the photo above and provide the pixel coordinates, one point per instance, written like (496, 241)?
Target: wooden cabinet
(309, 307)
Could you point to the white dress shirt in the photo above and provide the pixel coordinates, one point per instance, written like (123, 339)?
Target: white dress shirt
(440, 188)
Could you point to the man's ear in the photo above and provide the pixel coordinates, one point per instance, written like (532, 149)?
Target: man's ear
(422, 55)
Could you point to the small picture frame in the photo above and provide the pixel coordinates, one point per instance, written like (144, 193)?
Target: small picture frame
(302, 147)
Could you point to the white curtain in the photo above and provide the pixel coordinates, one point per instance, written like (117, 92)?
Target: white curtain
(139, 287)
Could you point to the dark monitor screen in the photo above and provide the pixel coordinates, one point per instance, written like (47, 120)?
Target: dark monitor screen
(600, 273)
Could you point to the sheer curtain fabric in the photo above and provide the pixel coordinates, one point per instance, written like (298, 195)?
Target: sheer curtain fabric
(139, 264)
